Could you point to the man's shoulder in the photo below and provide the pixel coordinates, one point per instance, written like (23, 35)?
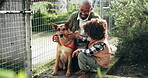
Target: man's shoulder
(94, 15)
(75, 13)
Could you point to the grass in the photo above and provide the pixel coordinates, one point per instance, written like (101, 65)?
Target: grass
(38, 71)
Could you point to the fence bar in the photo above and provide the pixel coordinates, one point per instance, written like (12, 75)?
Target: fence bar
(28, 39)
(15, 12)
(101, 8)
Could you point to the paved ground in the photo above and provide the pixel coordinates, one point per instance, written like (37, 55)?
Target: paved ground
(43, 48)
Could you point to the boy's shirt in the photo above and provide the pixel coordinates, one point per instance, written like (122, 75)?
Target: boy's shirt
(95, 48)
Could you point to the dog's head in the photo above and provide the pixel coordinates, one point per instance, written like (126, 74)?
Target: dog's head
(62, 29)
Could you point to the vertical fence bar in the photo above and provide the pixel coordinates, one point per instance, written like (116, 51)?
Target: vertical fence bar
(101, 8)
(110, 22)
(28, 39)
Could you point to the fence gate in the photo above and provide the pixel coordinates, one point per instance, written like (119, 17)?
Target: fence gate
(15, 35)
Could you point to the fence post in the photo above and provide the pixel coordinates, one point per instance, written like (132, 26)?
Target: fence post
(28, 39)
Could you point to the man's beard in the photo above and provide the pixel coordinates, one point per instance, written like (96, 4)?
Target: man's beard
(83, 17)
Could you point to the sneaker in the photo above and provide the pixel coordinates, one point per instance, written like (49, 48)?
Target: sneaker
(86, 75)
(93, 70)
(80, 72)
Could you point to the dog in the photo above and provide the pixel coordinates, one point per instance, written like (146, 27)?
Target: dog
(65, 47)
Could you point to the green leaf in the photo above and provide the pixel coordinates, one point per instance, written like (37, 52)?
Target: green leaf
(99, 72)
(21, 74)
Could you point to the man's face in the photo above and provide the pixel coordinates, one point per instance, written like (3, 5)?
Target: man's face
(84, 11)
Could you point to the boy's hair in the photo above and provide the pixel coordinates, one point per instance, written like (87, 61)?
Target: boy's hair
(95, 28)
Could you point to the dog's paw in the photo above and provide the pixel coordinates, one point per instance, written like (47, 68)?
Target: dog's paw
(54, 73)
(67, 74)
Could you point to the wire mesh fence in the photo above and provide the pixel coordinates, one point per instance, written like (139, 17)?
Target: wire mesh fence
(12, 36)
(12, 42)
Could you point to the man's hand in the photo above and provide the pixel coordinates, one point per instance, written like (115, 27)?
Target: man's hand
(76, 52)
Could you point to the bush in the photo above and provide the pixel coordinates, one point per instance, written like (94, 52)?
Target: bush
(5, 73)
(131, 26)
(43, 16)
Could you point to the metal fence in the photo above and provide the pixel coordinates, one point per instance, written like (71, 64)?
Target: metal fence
(14, 36)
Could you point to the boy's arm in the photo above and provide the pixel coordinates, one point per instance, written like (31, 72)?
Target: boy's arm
(85, 39)
(96, 48)
(78, 36)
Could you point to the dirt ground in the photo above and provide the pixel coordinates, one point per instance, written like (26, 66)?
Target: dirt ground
(131, 69)
(61, 74)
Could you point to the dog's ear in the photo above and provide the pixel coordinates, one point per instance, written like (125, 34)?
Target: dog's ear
(67, 24)
(54, 26)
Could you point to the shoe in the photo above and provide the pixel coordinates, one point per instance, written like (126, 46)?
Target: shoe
(80, 72)
(86, 75)
(93, 70)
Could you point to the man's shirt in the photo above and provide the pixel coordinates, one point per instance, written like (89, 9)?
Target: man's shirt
(81, 23)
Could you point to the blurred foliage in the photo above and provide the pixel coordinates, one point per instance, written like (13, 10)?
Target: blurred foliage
(131, 27)
(45, 13)
(21, 74)
(4, 73)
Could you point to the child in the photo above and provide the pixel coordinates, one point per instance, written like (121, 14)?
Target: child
(97, 54)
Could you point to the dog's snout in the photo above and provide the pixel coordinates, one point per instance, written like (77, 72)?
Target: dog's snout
(62, 35)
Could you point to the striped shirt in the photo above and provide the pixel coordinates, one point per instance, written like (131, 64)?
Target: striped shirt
(95, 48)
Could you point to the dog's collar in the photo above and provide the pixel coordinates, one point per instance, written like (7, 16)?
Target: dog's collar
(69, 46)
(66, 45)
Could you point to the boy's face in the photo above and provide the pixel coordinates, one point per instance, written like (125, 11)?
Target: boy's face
(84, 11)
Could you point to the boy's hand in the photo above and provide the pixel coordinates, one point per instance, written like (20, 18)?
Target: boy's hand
(76, 52)
(71, 36)
(77, 35)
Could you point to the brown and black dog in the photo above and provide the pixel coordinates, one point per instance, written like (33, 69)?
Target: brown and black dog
(64, 49)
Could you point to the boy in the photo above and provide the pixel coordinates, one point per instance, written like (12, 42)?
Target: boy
(97, 53)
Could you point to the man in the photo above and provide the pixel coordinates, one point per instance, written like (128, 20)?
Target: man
(78, 19)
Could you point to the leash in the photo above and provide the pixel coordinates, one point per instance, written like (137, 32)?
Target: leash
(53, 37)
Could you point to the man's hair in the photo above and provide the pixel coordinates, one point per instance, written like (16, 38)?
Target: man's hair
(95, 28)
(86, 2)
